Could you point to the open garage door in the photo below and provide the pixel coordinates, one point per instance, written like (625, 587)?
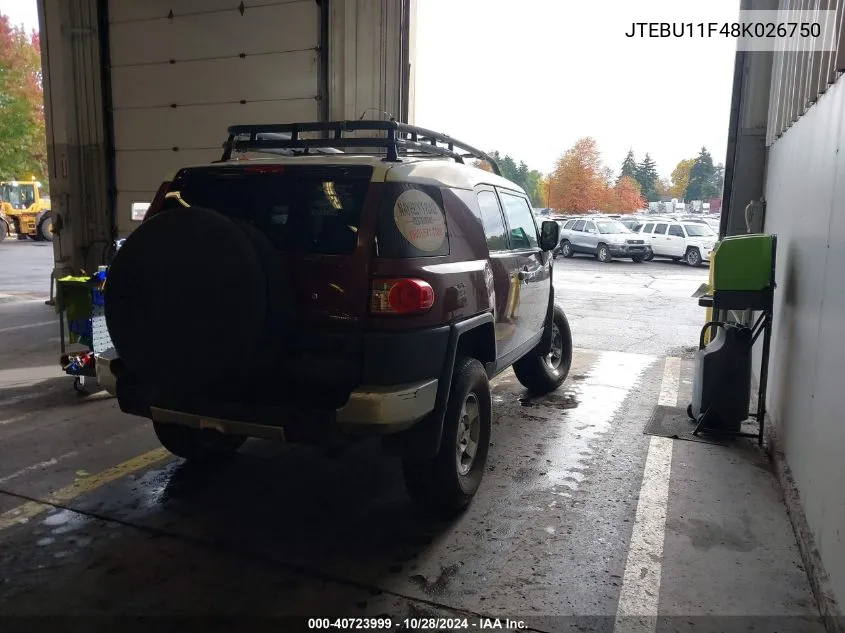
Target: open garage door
(183, 71)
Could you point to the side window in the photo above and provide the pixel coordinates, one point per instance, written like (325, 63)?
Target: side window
(521, 222)
(494, 223)
(579, 225)
(648, 227)
(676, 230)
(590, 227)
(660, 229)
(569, 224)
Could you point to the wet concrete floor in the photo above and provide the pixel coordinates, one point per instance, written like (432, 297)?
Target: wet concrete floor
(582, 522)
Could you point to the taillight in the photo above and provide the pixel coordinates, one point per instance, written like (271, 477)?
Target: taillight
(158, 201)
(401, 296)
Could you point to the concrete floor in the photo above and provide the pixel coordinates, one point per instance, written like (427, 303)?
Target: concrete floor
(582, 522)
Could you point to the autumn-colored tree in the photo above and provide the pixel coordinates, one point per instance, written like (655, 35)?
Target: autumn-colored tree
(680, 178)
(543, 192)
(483, 164)
(627, 195)
(579, 181)
(23, 151)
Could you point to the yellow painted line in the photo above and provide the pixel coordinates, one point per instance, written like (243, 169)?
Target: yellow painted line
(82, 486)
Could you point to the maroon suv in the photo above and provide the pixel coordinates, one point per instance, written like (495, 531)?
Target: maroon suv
(295, 292)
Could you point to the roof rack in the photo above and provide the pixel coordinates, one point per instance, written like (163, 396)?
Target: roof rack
(401, 138)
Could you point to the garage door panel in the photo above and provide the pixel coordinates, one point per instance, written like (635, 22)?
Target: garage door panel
(261, 78)
(201, 126)
(216, 35)
(128, 10)
(123, 215)
(146, 170)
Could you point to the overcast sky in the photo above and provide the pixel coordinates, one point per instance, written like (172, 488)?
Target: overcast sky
(530, 77)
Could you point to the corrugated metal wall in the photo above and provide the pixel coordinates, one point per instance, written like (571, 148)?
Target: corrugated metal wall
(805, 196)
(800, 76)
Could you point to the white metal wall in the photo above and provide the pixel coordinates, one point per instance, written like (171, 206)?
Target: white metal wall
(182, 72)
(805, 190)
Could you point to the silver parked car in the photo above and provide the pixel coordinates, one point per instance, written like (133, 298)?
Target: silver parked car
(602, 237)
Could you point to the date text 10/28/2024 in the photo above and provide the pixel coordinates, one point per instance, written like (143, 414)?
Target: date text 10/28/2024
(416, 624)
(726, 29)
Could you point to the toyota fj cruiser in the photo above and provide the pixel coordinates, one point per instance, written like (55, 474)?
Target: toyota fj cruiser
(318, 294)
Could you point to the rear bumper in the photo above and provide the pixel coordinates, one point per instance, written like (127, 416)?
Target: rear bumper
(394, 406)
(369, 410)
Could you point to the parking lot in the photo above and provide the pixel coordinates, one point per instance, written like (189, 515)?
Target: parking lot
(582, 522)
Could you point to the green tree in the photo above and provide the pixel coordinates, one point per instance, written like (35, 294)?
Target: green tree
(702, 178)
(629, 167)
(23, 151)
(719, 179)
(647, 176)
(529, 179)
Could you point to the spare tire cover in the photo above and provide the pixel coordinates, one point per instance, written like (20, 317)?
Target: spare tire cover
(186, 301)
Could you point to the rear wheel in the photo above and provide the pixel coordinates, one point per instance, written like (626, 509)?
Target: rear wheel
(603, 254)
(200, 445)
(542, 373)
(693, 257)
(566, 249)
(648, 256)
(447, 483)
(4, 230)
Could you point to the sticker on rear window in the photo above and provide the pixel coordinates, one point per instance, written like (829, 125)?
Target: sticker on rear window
(420, 220)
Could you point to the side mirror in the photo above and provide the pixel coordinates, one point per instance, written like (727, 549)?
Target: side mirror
(549, 235)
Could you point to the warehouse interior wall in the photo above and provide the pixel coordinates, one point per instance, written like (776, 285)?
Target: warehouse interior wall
(135, 90)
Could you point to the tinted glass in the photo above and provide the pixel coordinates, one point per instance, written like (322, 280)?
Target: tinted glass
(299, 209)
(521, 222)
(494, 223)
(590, 227)
(676, 230)
(569, 224)
(579, 226)
(648, 227)
(699, 230)
(660, 229)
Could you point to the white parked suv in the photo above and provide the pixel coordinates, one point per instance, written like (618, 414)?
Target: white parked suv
(691, 242)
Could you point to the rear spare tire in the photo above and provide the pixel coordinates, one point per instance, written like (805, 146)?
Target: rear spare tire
(186, 302)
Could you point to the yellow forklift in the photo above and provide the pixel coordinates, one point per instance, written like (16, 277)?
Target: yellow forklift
(24, 211)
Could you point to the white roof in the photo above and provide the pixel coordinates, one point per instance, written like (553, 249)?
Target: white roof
(433, 171)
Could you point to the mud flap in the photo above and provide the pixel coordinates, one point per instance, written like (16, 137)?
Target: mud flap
(422, 441)
(545, 344)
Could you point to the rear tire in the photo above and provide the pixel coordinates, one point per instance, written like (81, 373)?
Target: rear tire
(543, 373)
(638, 259)
(603, 254)
(648, 257)
(566, 249)
(445, 484)
(199, 445)
(4, 230)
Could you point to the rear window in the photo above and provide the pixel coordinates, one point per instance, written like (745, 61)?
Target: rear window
(412, 222)
(311, 210)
